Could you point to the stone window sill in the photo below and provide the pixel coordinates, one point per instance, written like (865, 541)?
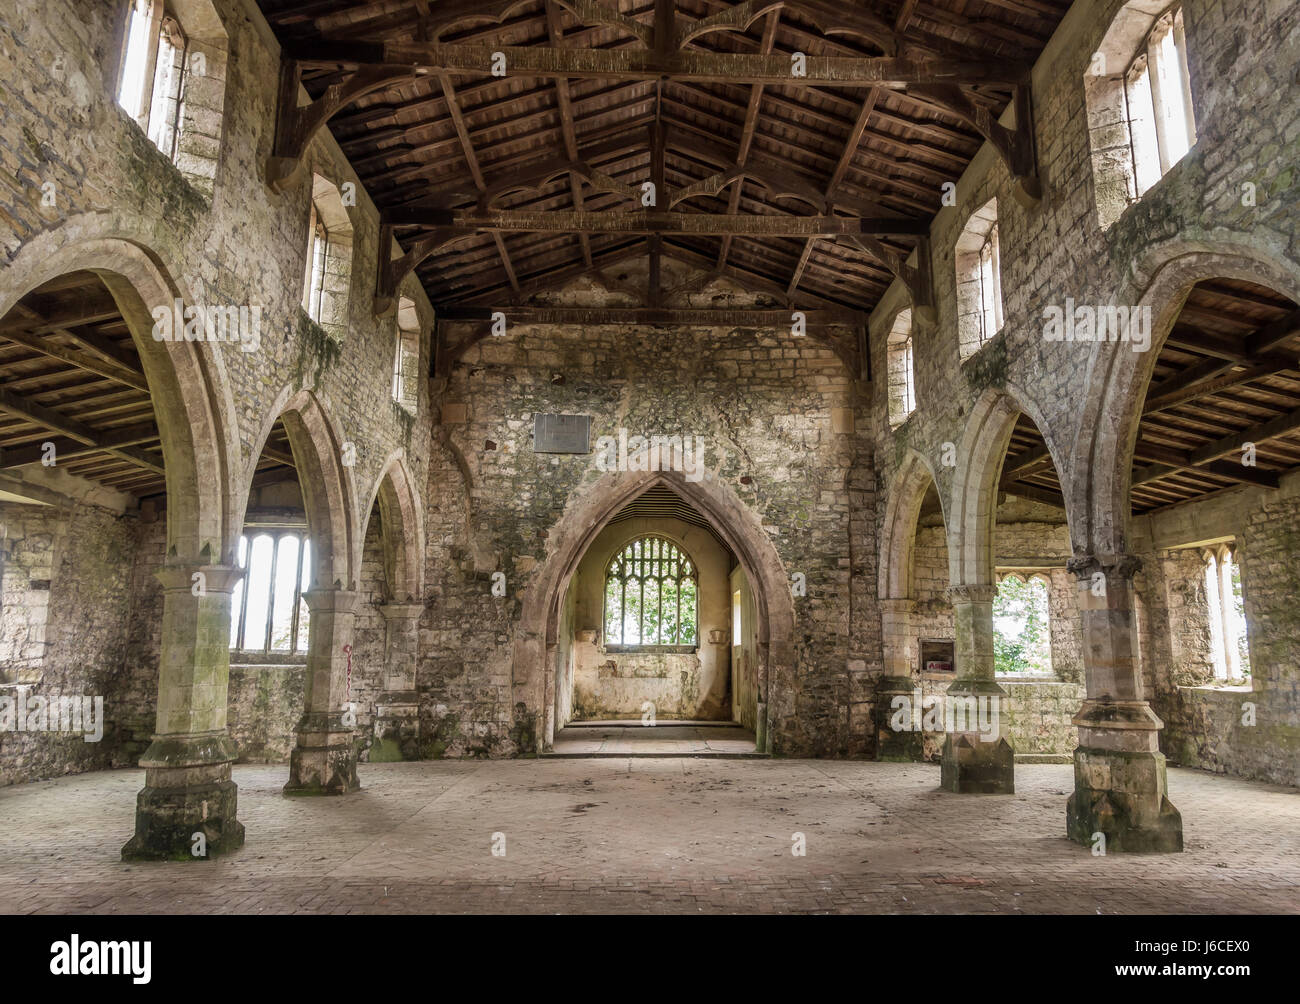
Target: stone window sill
(1224, 688)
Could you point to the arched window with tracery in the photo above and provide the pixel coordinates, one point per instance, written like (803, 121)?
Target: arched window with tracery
(651, 597)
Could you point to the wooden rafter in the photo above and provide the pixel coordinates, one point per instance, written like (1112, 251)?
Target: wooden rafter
(700, 98)
(49, 418)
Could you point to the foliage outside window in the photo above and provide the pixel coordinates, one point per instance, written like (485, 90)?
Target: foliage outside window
(269, 617)
(1022, 644)
(651, 597)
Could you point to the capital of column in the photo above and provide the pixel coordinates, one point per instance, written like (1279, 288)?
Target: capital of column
(199, 579)
(983, 593)
(1122, 566)
(401, 611)
(331, 600)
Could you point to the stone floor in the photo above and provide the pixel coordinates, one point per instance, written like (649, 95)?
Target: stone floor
(651, 835)
(672, 738)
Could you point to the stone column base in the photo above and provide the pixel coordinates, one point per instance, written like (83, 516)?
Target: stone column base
(397, 728)
(969, 765)
(1123, 795)
(325, 760)
(187, 791)
(906, 745)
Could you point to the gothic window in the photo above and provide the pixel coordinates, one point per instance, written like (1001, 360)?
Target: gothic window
(651, 597)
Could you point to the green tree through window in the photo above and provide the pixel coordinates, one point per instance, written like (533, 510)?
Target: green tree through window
(1021, 640)
(651, 595)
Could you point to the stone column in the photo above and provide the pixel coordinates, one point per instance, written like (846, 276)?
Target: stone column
(397, 713)
(976, 755)
(187, 788)
(325, 760)
(1120, 785)
(901, 655)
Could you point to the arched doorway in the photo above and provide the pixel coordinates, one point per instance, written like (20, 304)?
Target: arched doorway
(301, 448)
(98, 390)
(537, 652)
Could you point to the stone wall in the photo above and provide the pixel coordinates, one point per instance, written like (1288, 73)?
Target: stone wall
(1251, 730)
(1085, 397)
(764, 409)
(65, 605)
(216, 235)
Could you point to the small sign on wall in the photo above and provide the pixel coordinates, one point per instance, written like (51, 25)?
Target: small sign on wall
(561, 433)
(936, 655)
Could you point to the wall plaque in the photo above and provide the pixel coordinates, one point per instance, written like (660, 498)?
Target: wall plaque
(561, 433)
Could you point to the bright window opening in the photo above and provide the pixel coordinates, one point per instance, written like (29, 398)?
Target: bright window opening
(314, 292)
(902, 369)
(406, 358)
(1159, 102)
(979, 280)
(651, 597)
(268, 613)
(1229, 647)
(1022, 641)
(151, 86)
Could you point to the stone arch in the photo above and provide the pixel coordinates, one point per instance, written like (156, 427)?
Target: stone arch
(193, 405)
(537, 630)
(402, 516)
(974, 505)
(1097, 499)
(898, 535)
(329, 496)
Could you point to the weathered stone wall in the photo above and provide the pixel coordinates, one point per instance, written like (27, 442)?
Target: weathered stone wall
(1192, 225)
(60, 123)
(1251, 730)
(219, 236)
(65, 578)
(764, 410)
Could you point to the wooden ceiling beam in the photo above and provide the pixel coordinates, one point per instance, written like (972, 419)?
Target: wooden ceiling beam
(82, 360)
(707, 317)
(837, 176)
(55, 421)
(747, 128)
(654, 221)
(567, 129)
(423, 58)
(67, 449)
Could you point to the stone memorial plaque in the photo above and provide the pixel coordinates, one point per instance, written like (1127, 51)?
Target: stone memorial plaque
(561, 433)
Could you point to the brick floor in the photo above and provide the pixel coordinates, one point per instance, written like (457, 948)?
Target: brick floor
(640, 835)
(672, 738)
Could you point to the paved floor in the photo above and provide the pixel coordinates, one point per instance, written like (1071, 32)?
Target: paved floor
(632, 738)
(651, 835)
